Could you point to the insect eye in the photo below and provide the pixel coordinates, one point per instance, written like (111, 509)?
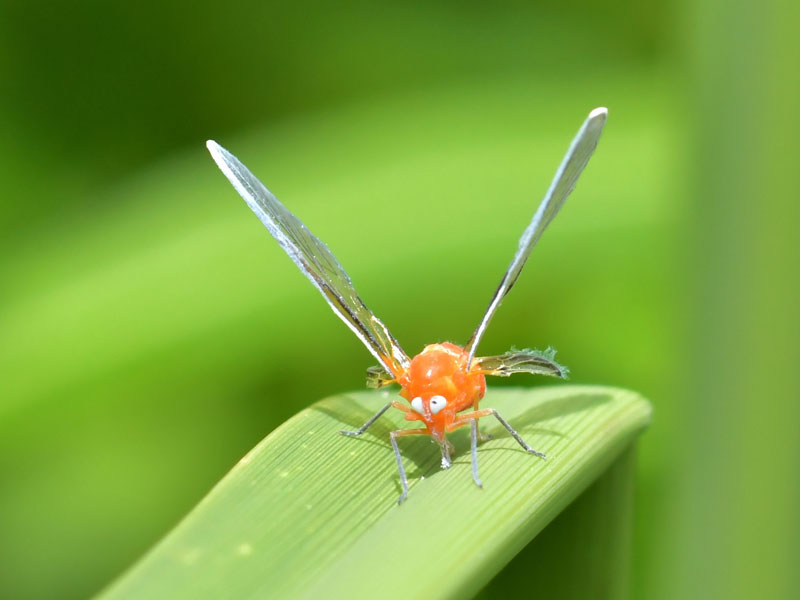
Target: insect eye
(438, 403)
(416, 404)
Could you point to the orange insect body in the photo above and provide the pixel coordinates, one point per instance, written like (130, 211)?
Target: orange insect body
(441, 370)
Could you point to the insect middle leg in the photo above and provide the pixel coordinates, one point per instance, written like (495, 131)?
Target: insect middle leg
(374, 418)
(393, 437)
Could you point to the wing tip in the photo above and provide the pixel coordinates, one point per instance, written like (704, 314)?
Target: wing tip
(598, 117)
(601, 112)
(226, 161)
(215, 149)
(596, 121)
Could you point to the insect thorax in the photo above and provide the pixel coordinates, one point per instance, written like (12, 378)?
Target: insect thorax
(441, 369)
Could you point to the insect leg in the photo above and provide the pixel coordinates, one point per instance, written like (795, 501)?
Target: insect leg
(393, 438)
(464, 419)
(366, 425)
(446, 447)
(477, 479)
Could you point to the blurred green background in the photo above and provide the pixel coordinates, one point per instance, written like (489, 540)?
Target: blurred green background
(151, 331)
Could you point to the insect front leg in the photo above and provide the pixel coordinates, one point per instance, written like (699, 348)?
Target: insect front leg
(393, 438)
(474, 427)
(475, 435)
(446, 448)
(374, 418)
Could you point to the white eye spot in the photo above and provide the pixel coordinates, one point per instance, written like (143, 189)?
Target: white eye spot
(416, 404)
(438, 403)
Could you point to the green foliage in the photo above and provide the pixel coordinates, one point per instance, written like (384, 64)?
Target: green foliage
(148, 344)
(309, 513)
(585, 552)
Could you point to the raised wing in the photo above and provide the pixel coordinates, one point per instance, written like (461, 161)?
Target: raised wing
(563, 183)
(522, 361)
(314, 259)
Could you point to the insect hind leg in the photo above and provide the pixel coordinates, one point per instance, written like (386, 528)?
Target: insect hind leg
(465, 420)
(516, 435)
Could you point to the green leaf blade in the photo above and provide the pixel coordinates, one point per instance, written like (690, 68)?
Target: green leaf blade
(310, 513)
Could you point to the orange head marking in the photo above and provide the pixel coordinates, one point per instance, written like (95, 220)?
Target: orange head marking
(438, 385)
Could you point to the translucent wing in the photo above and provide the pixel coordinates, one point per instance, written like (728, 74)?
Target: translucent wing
(522, 361)
(377, 378)
(314, 259)
(564, 181)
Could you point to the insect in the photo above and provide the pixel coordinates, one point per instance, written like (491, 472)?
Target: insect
(443, 385)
